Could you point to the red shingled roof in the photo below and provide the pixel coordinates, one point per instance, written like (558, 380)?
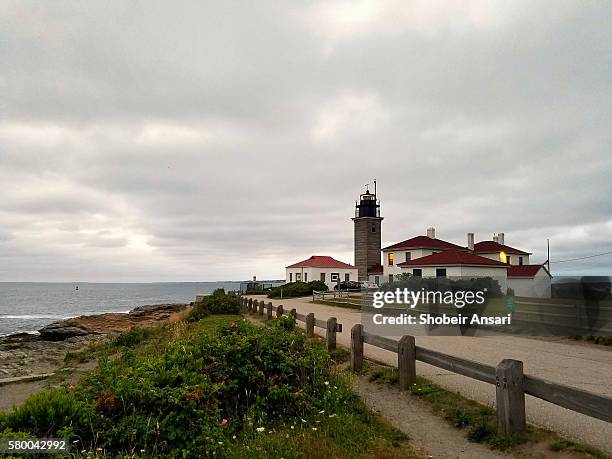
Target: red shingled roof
(524, 270)
(320, 261)
(424, 242)
(452, 258)
(496, 247)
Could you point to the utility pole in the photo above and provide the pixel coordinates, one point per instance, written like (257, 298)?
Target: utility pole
(548, 253)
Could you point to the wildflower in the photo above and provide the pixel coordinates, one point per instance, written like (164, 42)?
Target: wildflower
(142, 450)
(292, 427)
(333, 415)
(322, 411)
(303, 420)
(224, 422)
(220, 442)
(70, 388)
(314, 428)
(335, 387)
(260, 429)
(327, 383)
(75, 441)
(234, 437)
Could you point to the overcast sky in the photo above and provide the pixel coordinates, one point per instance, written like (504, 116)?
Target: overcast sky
(170, 141)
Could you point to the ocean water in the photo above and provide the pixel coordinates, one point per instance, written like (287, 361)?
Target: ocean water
(27, 307)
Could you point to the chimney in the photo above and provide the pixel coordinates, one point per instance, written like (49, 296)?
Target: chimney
(500, 238)
(431, 232)
(470, 241)
(254, 278)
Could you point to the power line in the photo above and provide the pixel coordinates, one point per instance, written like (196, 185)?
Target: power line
(583, 258)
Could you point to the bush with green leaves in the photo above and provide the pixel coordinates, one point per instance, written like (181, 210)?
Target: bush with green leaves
(296, 289)
(218, 302)
(197, 393)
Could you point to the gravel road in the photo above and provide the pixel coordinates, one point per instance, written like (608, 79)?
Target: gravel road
(572, 364)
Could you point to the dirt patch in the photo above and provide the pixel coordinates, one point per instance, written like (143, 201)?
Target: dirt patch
(427, 431)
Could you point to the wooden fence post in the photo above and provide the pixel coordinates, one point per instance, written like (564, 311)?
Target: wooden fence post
(261, 308)
(510, 396)
(293, 313)
(310, 320)
(250, 305)
(279, 311)
(269, 311)
(330, 336)
(406, 362)
(357, 347)
(255, 306)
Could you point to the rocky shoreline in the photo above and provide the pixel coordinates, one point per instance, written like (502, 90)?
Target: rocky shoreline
(23, 354)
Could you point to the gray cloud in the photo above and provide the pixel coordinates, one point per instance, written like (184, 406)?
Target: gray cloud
(148, 141)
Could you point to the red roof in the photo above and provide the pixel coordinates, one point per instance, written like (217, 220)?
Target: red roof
(378, 269)
(524, 270)
(424, 242)
(496, 247)
(452, 258)
(321, 261)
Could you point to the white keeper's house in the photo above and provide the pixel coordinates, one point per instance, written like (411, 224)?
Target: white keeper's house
(425, 256)
(323, 268)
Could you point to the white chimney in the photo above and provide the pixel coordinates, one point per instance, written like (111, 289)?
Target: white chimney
(495, 238)
(431, 232)
(254, 278)
(470, 241)
(500, 238)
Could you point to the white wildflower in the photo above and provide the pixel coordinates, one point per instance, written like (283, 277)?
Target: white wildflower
(260, 429)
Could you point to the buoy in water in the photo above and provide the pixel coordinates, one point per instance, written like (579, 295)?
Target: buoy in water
(77, 287)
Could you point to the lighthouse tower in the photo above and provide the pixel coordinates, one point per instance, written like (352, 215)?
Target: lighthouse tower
(367, 233)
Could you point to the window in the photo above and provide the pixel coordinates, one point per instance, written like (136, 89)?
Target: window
(298, 277)
(417, 272)
(440, 272)
(305, 277)
(335, 277)
(509, 259)
(390, 277)
(521, 261)
(290, 277)
(347, 277)
(390, 258)
(376, 280)
(322, 277)
(373, 227)
(408, 256)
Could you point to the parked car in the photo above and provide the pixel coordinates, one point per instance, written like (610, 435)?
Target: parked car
(347, 285)
(368, 285)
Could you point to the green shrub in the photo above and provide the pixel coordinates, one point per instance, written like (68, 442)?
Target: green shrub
(218, 302)
(201, 390)
(132, 337)
(296, 289)
(44, 414)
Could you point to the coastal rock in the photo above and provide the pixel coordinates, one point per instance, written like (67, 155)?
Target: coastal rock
(59, 331)
(142, 316)
(157, 308)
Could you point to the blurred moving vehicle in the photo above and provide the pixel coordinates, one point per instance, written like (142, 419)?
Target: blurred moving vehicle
(347, 285)
(368, 285)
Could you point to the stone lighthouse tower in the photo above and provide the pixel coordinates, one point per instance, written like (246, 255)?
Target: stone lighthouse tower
(367, 233)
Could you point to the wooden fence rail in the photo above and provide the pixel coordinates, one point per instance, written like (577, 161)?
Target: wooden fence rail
(511, 384)
(331, 325)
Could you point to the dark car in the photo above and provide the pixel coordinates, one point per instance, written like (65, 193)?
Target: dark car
(347, 285)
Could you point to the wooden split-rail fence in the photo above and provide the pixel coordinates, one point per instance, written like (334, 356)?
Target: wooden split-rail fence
(331, 325)
(511, 384)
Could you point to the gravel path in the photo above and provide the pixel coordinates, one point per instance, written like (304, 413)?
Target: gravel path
(427, 431)
(585, 367)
